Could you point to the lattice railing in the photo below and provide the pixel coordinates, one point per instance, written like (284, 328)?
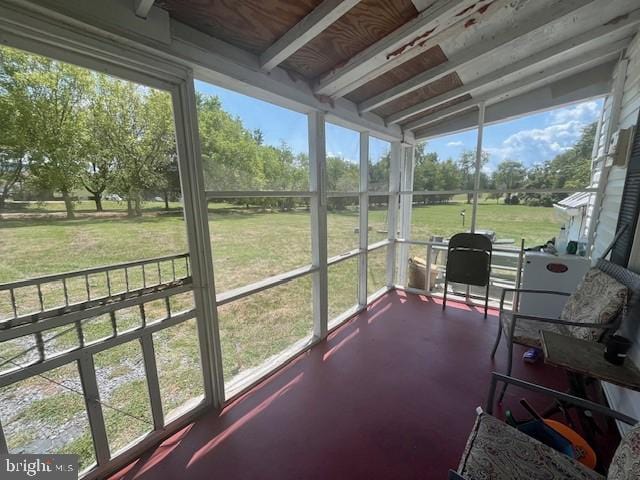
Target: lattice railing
(51, 321)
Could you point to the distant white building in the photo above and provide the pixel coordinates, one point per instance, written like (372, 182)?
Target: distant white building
(573, 210)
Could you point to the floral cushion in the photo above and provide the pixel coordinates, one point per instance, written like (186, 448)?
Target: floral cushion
(527, 332)
(496, 451)
(598, 299)
(626, 461)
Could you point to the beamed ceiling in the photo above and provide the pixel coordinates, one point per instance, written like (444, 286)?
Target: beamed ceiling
(412, 61)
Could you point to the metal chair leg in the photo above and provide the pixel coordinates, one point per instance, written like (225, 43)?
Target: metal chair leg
(497, 342)
(444, 298)
(486, 301)
(509, 366)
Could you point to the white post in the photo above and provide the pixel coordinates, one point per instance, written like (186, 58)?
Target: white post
(476, 183)
(392, 214)
(364, 218)
(406, 202)
(318, 182)
(197, 222)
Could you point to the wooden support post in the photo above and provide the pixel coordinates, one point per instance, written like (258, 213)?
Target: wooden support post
(153, 383)
(364, 218)
(197, 221)
(406, 202)
(392, 216)
(89, 381)
(318, 172)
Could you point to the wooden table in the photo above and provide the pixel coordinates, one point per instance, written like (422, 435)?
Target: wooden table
(587, 358)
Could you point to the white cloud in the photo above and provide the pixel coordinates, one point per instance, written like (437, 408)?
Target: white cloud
(533, 146)
(455, 144)
(582, 112)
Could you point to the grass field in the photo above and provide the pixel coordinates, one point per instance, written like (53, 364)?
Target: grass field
(248, 245)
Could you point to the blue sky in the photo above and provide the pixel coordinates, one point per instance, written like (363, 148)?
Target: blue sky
(531, 139)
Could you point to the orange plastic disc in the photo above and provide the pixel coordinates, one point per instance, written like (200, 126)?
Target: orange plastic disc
(584, 452)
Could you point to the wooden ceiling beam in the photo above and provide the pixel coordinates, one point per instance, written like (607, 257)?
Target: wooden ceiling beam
(579, 63)
(581, 41)
(439, 16)
(304, 31)
(580, 87)
(472, 53)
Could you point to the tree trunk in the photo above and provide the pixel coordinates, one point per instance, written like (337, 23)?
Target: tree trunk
(68, 204)
(2, 201)
(98, 199)
(166, 201)
(138, 207)
(129, 208)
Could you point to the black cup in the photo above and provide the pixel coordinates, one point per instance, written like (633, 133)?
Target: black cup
(616, 349)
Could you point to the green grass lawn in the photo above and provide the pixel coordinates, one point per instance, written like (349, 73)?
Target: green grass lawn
(248, 245)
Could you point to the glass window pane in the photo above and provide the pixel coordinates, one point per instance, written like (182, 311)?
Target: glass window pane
(179, 366)
(343, 286)
(508, 224)
(434, 217)
(248, 144)
(379, 165)
(102, 114)
(376, 270)
(39, 416)
(256, 238)
(551, 149)
(343, 159)
(378, 218)
(343, 225)
(448, 164)
(123, 387)
(255, 329)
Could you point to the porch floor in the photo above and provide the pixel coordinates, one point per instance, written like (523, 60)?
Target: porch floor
(391, 394)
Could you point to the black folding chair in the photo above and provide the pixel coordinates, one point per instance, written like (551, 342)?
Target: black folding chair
(469, 262)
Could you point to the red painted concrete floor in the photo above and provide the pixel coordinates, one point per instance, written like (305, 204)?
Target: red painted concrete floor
(390, 395)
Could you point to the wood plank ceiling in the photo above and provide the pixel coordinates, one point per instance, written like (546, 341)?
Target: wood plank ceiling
(254, 25)
(389, 58)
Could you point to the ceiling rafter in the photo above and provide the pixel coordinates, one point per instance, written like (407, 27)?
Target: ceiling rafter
(438, 17)
(581, 62)
(473, 52)
(588, 84)
(579, 41)
(304, 31)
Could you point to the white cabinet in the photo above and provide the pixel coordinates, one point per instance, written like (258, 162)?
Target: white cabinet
(558, 273)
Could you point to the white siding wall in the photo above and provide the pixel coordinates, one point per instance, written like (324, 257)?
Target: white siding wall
(621, 399)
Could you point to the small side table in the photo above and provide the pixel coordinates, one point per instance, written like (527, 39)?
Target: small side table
(587, 358)
(581, 359)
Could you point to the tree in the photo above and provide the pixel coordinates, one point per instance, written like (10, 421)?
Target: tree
(49, 97)
(100, 158)
(467, 166)
(509, 176)
(138, 129)
(13, 145)
(230, 153)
